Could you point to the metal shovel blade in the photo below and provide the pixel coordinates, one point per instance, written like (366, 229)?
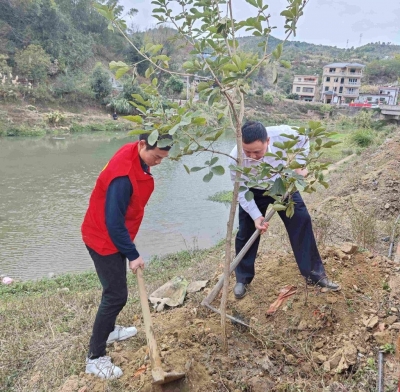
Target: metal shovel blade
(167, 377)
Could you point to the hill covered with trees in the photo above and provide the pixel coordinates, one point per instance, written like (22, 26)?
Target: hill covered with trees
(63, 47)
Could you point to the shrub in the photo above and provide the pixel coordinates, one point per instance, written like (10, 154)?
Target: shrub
(268, 99)
(33, 62)
(64, 84)
(174, 85)
(293, 96)
(259, 91)
(121, 105)
(363, 119)
(55, 118)
(100, 82)
(362, 138)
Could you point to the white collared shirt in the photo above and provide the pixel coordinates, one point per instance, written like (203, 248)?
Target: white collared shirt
(274, 134)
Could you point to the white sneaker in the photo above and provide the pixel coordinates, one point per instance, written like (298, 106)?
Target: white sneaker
(103, 367)
(121, 333)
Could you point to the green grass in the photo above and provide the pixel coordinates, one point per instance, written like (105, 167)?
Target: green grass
(157, 268)
(221, 197)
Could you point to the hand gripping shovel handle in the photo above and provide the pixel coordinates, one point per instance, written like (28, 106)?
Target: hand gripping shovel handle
(155, 360)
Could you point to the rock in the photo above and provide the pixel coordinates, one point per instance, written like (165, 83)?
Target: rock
(319, 345)
(349, 248)
(394, 310)
(258, 384)
(390, 320)
(383, 338)
(302, 325)
(331, 299)
(372, 322)
(266, 364)
(387, 206)
(361, 349)
(348, 358)
(395, 326)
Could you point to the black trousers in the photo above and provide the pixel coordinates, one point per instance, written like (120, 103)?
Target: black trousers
(111, 271)
(299, 229)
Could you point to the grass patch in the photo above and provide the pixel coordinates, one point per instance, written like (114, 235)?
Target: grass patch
(44, 327)
(222, 197)
(362, 138)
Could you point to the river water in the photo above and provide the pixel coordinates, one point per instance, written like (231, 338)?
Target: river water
(45, 186)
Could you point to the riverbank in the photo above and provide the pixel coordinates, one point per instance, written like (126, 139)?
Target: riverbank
(20, 119)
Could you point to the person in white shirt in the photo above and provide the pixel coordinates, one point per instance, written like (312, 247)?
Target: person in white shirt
(257, 141)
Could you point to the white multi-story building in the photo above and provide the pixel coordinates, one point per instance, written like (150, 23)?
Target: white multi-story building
(341, 82)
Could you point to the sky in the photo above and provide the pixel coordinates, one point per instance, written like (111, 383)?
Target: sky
(341, 23)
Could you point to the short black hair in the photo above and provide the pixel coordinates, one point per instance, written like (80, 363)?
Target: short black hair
(253, 131)
(145, 136)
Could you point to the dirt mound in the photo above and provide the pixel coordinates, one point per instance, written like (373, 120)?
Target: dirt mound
(313, 340)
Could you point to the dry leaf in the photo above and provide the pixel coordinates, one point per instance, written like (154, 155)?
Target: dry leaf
(140, 371)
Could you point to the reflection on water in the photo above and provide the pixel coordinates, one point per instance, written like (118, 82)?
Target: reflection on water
(45, 187)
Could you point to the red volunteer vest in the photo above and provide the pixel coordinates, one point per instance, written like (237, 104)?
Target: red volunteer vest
(125, 162)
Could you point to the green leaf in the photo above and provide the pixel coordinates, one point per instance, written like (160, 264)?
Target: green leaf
(213, 161)
(187, 169)
(274, 75)
(196, 169)
(154, 81)
(136, 119)
(243, 188)
(249, 195)
(279, 207)
(117, 64)
(175, 150)
(278, 188)
(330, 144)
(153, 138)
(286, 64)
(149, 72)
(173, 129)
(295, 165)
(252, 2)
(140, 99)
(121, 71)
(218, 170)
(290, 210)
(161, 57)
(138, 132)
(208, 177)
(199, 121)
(164, 143)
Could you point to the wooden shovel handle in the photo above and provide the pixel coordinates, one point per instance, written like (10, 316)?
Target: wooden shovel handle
(156, 369)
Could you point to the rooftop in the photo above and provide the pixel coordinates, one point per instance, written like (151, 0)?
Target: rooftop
(343, 65)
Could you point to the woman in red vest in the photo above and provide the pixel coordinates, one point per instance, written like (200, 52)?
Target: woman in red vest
(116, 209)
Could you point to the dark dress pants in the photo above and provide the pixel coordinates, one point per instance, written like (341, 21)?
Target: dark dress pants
(111, 271)
(299, 229)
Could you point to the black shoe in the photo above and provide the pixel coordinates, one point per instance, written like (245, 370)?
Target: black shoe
(328, 284)
(239, 290)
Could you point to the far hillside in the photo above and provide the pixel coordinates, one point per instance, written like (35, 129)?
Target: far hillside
(57, 53)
